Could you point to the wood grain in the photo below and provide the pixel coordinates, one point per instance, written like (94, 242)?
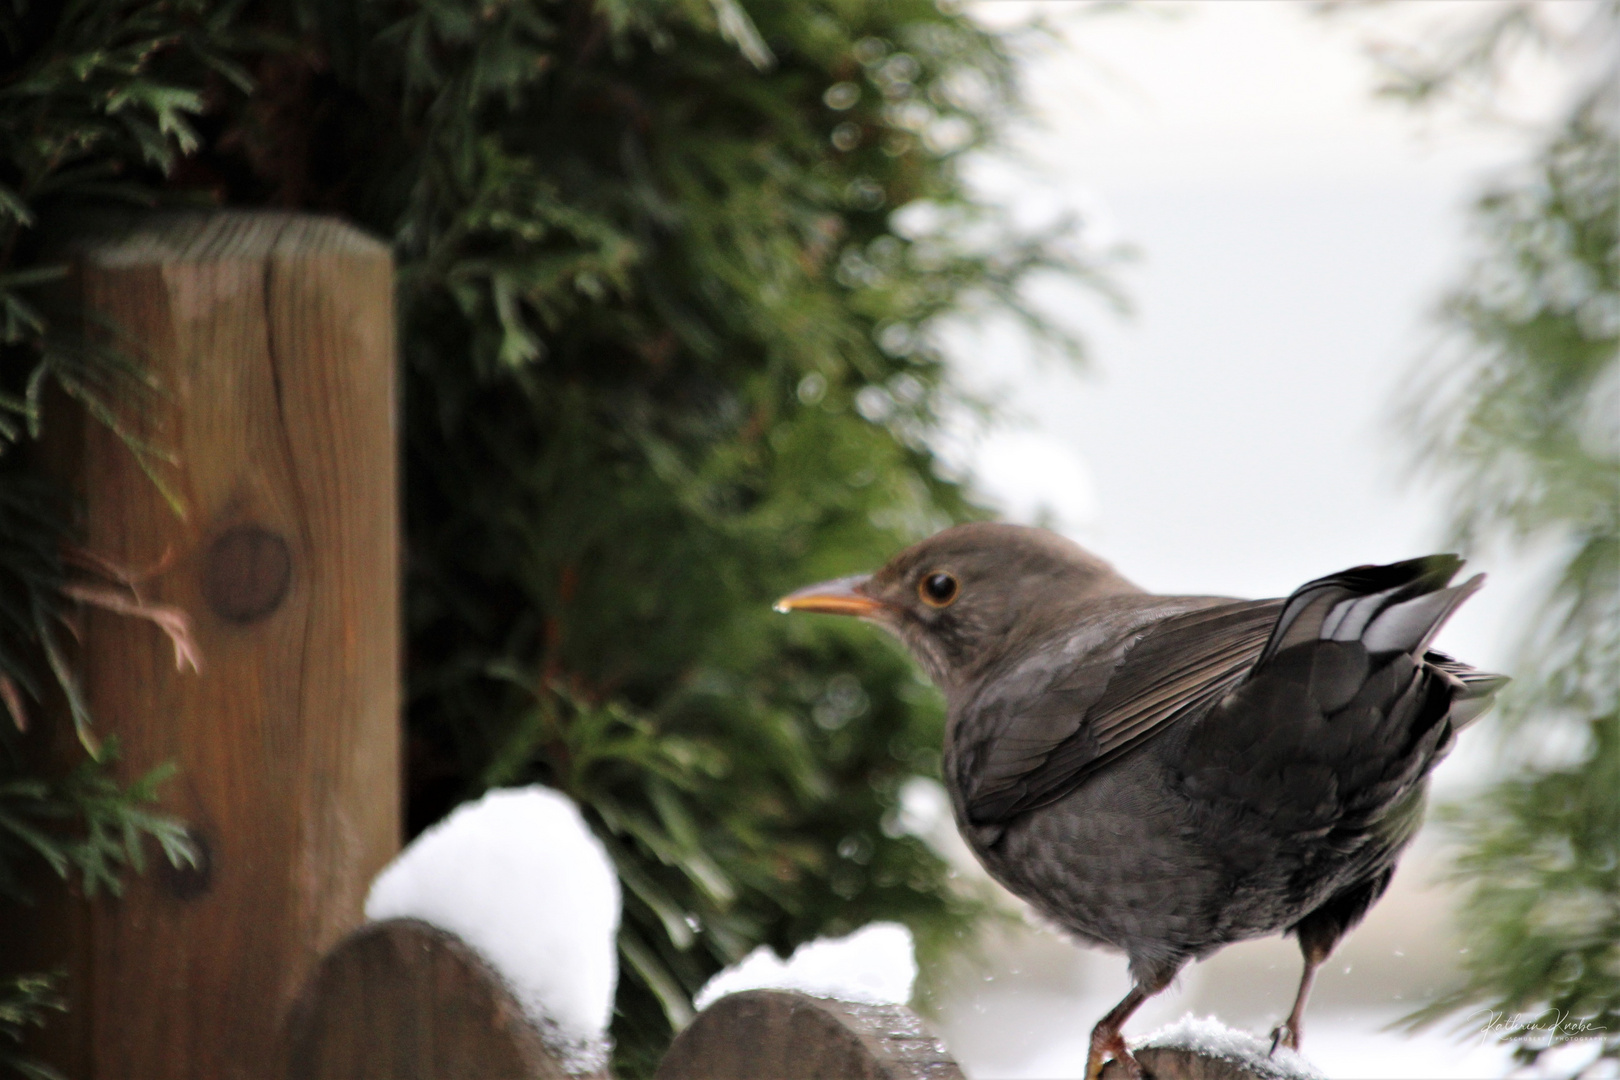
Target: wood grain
(780, 1035)
(271, 337)
(1175, 1063)
(402, 1000)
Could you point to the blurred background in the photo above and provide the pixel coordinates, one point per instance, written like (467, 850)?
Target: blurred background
(699, 301)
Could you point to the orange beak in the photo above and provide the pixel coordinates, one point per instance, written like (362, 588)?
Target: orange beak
(839, 597)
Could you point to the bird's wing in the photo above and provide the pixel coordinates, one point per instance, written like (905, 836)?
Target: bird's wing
(1037, 750)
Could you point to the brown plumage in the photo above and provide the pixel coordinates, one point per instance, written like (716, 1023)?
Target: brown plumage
(1165, 775)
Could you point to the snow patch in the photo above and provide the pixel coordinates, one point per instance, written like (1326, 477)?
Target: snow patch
(520, 878)
(1207, 1035)
(874, 965)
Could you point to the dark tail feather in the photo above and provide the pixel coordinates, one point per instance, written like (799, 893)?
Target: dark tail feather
(1393, 608)
(1476, 691)
(1409, 625)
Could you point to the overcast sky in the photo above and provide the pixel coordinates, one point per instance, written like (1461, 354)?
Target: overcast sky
(1235, 435)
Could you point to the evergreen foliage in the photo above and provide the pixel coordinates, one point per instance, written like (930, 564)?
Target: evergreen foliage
(669, 274)
(26, 1001)
(1523, 423)
(89, 112)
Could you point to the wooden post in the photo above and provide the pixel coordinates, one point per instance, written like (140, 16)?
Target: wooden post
(1180, 1063)
(781, 1035)
(408, 1001)
(271, 336)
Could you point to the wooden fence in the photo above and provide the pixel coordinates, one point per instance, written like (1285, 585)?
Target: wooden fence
(405, 1000)
(270, 337)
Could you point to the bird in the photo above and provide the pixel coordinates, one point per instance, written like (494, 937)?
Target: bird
(1167, 775)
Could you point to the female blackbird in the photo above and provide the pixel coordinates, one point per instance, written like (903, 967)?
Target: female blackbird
(1165, 775)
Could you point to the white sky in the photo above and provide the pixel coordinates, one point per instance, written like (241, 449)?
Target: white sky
(1236, 435)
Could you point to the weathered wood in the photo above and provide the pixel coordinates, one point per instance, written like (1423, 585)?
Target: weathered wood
(1179, 1063)
(271, 337)
(779, 1035)
(403, 1000)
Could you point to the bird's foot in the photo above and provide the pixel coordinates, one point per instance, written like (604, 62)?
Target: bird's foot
(1111, 1044)
(1285, 1034)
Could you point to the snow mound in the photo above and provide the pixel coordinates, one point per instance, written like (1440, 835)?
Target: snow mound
(874, 965)
(1207, 1035)
(519, 877)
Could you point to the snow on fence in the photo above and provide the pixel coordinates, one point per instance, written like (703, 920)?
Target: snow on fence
(270, 336)
(406, 1000)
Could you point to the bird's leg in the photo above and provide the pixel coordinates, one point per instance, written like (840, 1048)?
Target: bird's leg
(1315, 951)
(1106, 1040)
(1287, 1032)
(1318, 933)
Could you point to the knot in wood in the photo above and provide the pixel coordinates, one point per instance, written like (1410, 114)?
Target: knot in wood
(246, 574)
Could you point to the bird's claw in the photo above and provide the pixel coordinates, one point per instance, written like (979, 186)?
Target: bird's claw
(1284, 1034)
(1104, 1047)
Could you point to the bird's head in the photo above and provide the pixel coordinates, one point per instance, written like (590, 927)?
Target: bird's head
(963, 598)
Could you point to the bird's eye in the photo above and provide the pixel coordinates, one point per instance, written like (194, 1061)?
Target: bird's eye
(938, 589)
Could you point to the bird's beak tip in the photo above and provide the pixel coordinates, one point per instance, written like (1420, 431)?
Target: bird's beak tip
(840, 597)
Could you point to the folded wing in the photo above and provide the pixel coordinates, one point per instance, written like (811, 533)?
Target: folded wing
(1109, 703)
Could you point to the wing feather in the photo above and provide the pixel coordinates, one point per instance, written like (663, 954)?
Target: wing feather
(1179, 666)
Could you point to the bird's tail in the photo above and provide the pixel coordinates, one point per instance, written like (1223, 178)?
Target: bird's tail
(1476, 689)
(1388, 609)
(1394, 608)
